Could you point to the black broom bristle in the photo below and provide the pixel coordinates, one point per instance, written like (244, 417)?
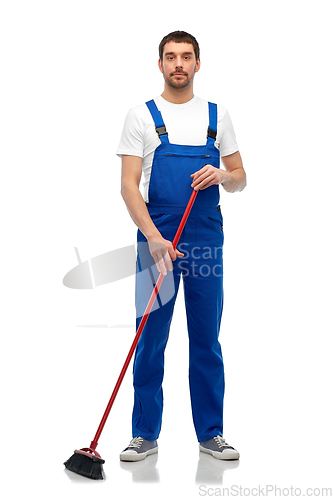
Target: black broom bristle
(91, 467)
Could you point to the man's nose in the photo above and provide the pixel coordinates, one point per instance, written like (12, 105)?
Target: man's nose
(179, 63)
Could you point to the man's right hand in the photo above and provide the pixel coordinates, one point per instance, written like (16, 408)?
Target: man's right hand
(163, 253)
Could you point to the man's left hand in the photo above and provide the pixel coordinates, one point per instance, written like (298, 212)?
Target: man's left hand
(207, 176)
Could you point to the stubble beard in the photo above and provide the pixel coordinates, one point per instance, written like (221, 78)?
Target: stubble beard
(178, 84)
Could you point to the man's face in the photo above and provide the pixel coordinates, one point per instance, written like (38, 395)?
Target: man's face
(179, 64)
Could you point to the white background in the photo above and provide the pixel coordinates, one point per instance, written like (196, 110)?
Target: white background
(70, 72)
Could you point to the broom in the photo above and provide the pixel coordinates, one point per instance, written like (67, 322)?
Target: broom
(87, 461)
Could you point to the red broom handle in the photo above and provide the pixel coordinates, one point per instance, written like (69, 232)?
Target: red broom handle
(143, 321)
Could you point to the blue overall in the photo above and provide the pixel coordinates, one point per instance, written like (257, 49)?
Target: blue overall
(202, 273)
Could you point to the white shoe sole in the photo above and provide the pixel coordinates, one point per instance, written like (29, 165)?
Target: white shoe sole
(227, 454)
(133, 456)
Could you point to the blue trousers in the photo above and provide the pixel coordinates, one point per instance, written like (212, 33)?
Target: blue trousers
(202, 271)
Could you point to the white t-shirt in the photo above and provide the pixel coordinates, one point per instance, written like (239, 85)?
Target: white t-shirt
(186, 124)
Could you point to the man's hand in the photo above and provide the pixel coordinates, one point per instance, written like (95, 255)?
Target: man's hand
(233, 178)
(207, 176)
(163, 254)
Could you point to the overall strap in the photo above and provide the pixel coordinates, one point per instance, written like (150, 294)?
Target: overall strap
(158, 120)
(212, 127)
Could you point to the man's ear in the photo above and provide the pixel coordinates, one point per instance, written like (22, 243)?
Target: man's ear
(160, 65)
(197, 66)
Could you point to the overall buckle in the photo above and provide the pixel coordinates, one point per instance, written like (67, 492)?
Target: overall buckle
(161, 131)
(211, 133)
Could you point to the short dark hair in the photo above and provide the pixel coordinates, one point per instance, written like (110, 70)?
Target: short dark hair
(179, 37)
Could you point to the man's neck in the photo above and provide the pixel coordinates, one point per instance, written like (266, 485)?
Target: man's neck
(178, 96)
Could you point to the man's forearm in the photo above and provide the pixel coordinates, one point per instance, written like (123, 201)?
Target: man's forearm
(234, 181)
(138, 211)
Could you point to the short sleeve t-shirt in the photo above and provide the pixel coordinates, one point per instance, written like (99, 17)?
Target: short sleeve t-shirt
(186, 124)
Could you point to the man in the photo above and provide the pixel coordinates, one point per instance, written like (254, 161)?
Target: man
(176, 140)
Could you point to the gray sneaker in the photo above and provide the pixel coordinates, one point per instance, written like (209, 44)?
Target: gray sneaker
(219, 449)
(138, 449)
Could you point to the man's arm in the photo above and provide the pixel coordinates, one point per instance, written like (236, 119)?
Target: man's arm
(233, 178)
(158, 246)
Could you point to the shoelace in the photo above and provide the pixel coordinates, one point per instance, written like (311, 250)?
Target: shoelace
(220, 441)
(136, 442)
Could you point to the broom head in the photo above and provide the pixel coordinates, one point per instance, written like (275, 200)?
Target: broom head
(86, 462)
